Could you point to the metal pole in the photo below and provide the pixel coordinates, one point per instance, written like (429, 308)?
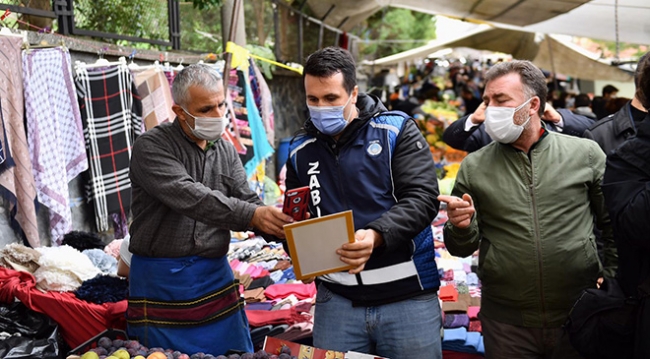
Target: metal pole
(550, 54)
(300, 38)
(174, 24)
(322, 28)
(231, 37)
(276, 29)
(301, 32)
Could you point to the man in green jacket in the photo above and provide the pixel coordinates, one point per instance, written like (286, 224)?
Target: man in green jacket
(528, 202)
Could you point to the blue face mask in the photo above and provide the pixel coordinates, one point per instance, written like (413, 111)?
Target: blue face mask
(330, 120)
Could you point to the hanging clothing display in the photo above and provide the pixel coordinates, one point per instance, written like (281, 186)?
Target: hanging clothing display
(111, 112)
(54, 131)
(263, 100)
(18, 181)
(155, 95)
(248, 121)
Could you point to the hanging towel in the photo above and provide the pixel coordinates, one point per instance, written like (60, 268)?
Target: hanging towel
(111, 113)
(17, 182)
(156, 97)
(54, 131)
(261, 147)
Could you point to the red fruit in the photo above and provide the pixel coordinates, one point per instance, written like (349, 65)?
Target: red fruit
(183, 356)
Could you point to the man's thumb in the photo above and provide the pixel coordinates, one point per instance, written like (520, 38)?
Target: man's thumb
(468, 198)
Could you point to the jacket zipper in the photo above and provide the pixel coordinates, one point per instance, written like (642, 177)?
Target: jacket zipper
(538, 240)
(337, 150)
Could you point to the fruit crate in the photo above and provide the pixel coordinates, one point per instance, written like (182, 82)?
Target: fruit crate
(91, 343)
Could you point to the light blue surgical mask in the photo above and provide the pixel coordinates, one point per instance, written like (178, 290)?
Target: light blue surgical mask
(330, 120)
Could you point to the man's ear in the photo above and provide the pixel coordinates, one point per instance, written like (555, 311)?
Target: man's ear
(178, 111)
(535, 104)
(355, 94)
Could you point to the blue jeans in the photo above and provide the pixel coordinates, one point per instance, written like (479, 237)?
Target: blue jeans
(401, 330)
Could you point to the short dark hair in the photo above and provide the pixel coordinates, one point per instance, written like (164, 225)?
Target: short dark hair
(531, 77)
(643, 89)
(609, 89)
(331, 60)
(583, 100)
(639, 65)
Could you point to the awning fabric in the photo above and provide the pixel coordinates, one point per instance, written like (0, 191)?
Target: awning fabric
(594, 19)
(540, 49)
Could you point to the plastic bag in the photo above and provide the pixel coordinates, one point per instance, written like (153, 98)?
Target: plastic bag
(30, 334)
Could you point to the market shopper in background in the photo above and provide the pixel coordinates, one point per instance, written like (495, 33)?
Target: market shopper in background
(582, 106)
(599, 103)
(468, 133)
(611, 131)
(354, 155)
(189, 191)
(627, 194)
(527, 201)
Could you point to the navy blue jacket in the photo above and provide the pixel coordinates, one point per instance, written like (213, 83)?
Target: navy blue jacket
(382, 170)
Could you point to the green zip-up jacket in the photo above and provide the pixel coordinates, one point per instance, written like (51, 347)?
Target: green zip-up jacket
(534, 226)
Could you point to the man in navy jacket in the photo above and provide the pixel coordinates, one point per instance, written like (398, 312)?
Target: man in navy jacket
(354, 155)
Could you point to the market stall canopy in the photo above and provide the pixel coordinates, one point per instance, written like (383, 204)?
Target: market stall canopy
(597, 20)
(547, 52)
(594, 19)
(514, 12)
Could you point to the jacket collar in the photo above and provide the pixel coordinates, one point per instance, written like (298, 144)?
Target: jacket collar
(636, 150)
(623, 121)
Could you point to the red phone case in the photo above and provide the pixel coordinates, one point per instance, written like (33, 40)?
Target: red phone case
(296, 203)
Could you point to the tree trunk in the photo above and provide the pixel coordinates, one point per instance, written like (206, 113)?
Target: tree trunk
(258, 7)
(239, 37)
(40, 22)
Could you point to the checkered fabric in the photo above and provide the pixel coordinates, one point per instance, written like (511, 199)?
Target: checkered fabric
(111, 113)
(17, 182)
(155, 95)
(54, 132)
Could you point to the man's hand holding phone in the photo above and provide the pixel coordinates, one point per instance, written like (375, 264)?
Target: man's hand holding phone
(296, 203)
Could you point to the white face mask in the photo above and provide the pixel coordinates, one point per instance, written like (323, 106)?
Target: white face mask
(500, 123)
(207, 128)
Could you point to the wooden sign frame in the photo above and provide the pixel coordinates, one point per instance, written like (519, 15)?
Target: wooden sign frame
(313, 244)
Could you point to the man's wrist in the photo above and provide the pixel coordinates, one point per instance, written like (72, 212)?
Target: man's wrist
(469, 124)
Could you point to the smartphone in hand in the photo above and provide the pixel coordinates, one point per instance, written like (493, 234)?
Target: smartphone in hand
(296, 203)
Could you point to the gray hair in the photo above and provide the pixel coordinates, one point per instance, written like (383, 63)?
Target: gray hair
(194, 75)
(532, 78)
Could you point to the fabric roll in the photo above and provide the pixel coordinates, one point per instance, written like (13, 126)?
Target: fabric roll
(55, 133)
(460, 307)
(301, 291)
(448, 293)
(254, 295)
(456, 321)
(473, 311)
(111, 113)
(475, 326)
(17, 182)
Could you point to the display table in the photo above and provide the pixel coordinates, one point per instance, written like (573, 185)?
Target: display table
(78, 320)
